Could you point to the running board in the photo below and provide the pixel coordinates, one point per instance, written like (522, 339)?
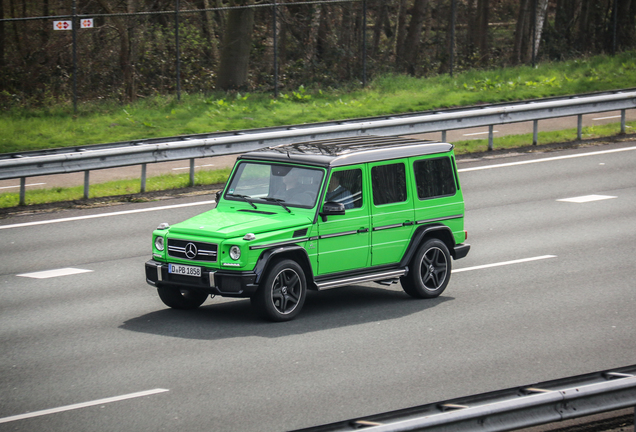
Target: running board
(371, 277)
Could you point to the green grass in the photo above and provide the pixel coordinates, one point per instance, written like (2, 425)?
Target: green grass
(50, 127)
(23, 129)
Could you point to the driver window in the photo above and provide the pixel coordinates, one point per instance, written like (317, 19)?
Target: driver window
(345, 187)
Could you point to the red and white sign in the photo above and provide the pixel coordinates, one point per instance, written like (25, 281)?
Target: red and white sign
(86, 23)
(62, 25)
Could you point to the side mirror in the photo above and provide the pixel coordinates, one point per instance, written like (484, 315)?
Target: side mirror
(218, 195)
(332, 208)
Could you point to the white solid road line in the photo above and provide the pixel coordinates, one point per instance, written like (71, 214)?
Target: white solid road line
(100, 215)
(479, 133)
(17, 186)
(54, 273)
(519, 261)
(82, 405)
(606, 118)
(550, 159)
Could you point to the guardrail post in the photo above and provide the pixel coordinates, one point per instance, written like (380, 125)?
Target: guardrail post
(623, 133)
(443, 136)
(87, 175)
(579, 127)
(143, 178)
(535, 132)
(191, 172)
(490, 145)
(22, 190)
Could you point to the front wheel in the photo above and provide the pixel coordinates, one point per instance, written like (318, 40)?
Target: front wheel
(430, 270)
(181, 298)
(282, 293)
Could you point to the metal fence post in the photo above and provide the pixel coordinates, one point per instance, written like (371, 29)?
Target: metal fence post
(74, 30)
(143, 178)
(22, 190)
(364, 43)
(622, 122)
(443, 136)
(535, 132)
(87, 175)
(275, 32)
(176, 37)
(192, 172)
(452, 37)
(490, 138)
(579, 127)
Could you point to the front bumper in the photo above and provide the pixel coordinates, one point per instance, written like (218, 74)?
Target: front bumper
(217, 282)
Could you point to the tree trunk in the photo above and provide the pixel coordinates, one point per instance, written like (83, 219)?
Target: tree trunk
(542, 10)
(310, 47)
(625, 35)
(2, 40)
(236, 46)
(207, 19)
(523, 31)
(400, 31)
(481, 30)
(125, 55)
(414, 36)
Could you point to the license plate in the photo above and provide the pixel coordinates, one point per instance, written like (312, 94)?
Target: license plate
(184, 270)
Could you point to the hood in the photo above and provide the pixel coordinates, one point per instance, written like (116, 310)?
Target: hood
(218, 223)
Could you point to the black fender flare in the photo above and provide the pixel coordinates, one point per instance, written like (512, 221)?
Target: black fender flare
(293, 252)
(439, 231)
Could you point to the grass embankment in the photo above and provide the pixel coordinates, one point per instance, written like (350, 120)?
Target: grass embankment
(25, 129)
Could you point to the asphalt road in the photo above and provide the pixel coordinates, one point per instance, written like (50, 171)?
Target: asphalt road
(547, 291)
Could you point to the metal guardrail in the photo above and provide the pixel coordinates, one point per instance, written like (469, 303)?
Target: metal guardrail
(30, 164)
(510, 409)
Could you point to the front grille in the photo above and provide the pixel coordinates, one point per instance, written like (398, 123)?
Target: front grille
(192, 250)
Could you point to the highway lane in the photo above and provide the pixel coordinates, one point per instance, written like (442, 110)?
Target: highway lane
(353, 351)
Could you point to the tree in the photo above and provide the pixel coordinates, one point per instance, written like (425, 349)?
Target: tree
(236, 46)
(407, 51)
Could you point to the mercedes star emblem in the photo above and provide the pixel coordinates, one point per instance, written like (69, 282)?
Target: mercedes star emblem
(191, 251)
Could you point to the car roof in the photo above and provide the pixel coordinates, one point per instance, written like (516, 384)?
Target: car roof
(349, 151)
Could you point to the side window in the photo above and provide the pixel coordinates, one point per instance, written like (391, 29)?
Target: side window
(389, 183)
(434, 177)
(346, 187)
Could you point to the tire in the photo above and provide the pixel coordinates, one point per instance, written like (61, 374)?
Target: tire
(429, 272)
(282, 293)
(181, 298)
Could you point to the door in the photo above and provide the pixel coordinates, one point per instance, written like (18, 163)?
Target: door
(343, 240)
(392, 214)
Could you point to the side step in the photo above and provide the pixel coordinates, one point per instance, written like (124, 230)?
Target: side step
(371, 277)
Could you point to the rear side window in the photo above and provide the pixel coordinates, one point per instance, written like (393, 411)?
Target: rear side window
(434, 177)
(389, 183)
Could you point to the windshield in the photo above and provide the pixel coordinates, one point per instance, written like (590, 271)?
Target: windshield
(275, 183)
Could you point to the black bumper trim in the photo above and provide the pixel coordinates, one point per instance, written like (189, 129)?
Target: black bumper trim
(461, 250)
(224, 282)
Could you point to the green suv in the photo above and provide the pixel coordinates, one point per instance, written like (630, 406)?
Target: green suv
(314, 216)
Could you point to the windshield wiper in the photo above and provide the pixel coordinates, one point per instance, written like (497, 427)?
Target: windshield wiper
(279, 202)
(245, 197)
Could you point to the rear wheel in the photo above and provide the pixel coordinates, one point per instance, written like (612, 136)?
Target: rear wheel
(282, 293)
(181, 298)
(429, 272)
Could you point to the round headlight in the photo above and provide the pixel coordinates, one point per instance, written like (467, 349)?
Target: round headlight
(235, 252)
(159, 243)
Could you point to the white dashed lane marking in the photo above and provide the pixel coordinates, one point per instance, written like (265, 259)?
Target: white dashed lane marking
(54, 273)
(586, 198)
(519, 261)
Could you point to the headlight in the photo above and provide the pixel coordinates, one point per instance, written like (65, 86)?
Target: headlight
(159, 243)
(235, 253)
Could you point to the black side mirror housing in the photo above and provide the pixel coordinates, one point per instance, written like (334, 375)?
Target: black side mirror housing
(218, 195)
(332, 208)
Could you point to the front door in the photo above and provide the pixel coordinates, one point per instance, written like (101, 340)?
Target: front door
(344, 240)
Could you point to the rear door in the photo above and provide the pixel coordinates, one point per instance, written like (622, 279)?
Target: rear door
(392, 214)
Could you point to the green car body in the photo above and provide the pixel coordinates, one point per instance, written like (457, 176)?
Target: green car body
(318, 215)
